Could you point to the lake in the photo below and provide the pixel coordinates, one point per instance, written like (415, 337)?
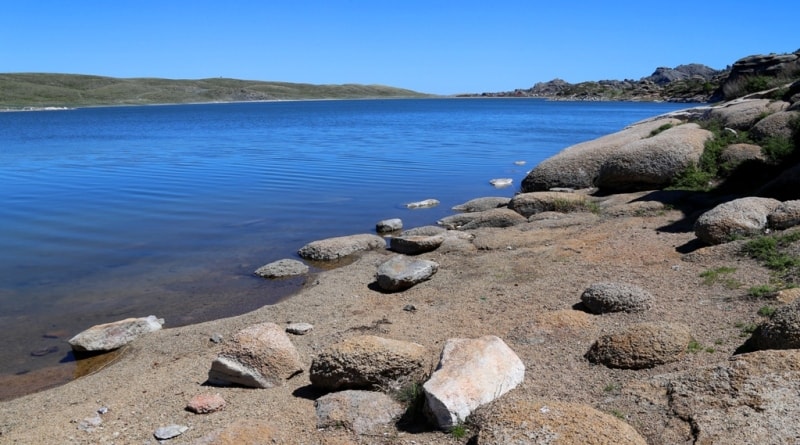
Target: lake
(115, 212)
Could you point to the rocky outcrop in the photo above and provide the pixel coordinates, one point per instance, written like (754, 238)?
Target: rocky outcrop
(260, 356)
(640, 346)
(743, 113)
(775, 125)
(745, 400)
(471, 373)
(756, 73)
(502, 217)
(740, 217)
(653, 162)
(551, 422)
(389, 225)
(337, 248)
(109, 336)
(579, 165)
(401, 272)
(601, 298)
(368, 362)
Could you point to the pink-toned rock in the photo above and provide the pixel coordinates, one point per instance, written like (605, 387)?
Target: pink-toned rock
(206, 403)
(260, 356)
(471, 373)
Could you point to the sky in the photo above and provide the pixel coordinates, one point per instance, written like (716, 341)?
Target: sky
(431, 46)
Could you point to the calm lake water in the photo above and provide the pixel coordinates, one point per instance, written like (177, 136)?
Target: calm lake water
(108, 213)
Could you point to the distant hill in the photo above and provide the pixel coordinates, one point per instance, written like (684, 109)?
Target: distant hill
(685, 83)
(20, 90)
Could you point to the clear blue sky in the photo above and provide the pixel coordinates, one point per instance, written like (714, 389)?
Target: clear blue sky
(442, 47)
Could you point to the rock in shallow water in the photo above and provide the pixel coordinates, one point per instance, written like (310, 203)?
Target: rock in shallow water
(282, 268)
(109, 336)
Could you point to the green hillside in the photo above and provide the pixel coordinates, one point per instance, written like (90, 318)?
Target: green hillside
(20, 90)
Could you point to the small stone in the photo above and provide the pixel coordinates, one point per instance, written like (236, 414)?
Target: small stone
(410, 308)
(501, 182)
(89, 424)
(389, 225)
(170, 431)
(206, 403)
(216, 338)
(44, 351)
(299, 328)
(423, 204)
(102, 410)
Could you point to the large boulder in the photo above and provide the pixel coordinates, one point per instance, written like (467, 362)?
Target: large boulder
(109, 336)
(471, 373)
(748, 399)
(640, 346)
(260, 356)
(740, 217)
(600, 298)
(401, 272)
(578, 166)
(551, 423)
(653, 162)
(775, 125)
(735, 154)
(527, 204)
(361, 412)
(742, 114)
(368, 362)
(336, 248)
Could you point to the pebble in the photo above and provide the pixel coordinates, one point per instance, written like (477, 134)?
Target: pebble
(206, 403)
(216, 338)
(89, 424)
(410, 308)
(170, 431)
(299, 328)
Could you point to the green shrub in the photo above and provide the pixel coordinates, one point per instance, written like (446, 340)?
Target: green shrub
(761, 291)
(777, 148)
(766, 311)
(660, 129)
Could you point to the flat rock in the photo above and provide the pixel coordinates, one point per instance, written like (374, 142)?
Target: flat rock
(361, 412)
(260, 356)
(641, 345)
(458, 220)
(481, 204)
(742, 114)
(339, 247)
(108, 336)
(425, 203)
(170, 431)
(282, 268)
(600, 298)
(368, 362)
(527, 204)
(401, 272)
(501, 217)
(739, 217)
(748, 399)
(424, 231)
(550, 422)
(414, 245)
(470, 373)
(501, 182)
(299, 328)
(206, 403)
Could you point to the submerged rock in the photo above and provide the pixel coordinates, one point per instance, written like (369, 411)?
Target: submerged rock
(336, 248)
(282, 268)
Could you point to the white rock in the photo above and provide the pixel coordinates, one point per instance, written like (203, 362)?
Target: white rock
(282, 268)
(389, 225)
(501, 182)
(299, 328)
(108, 336)
(423, 204)
(170, 431)
(471, 373)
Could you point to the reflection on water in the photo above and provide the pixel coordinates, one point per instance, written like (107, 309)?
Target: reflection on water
(110, 213)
